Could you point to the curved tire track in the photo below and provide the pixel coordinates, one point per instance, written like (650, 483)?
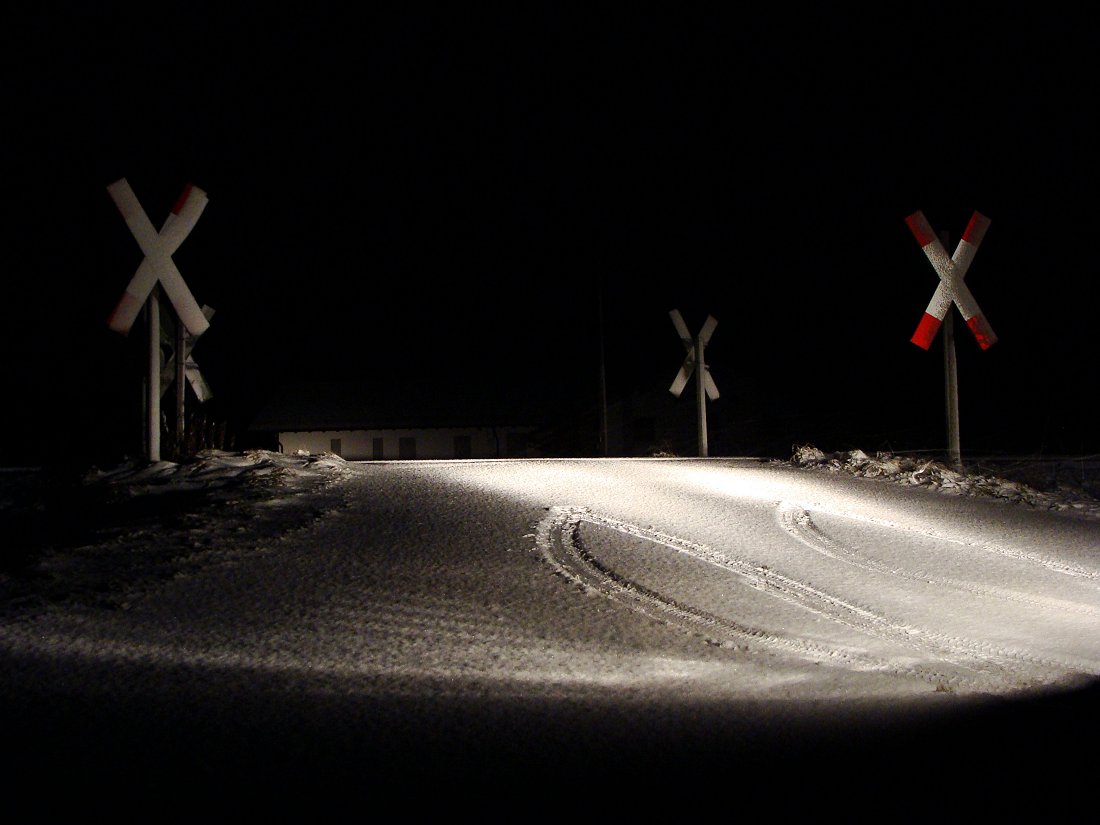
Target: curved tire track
(558, 540)
(797, 521)
(974, 664)
(1054, 565)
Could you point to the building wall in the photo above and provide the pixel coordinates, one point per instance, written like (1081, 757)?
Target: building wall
(435, 443)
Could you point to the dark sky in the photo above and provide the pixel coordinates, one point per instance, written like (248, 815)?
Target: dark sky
(444, 197)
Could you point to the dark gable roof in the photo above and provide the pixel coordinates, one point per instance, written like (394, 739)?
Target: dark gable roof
(362, 404)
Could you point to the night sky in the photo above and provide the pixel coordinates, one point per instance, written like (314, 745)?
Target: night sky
(447, 198)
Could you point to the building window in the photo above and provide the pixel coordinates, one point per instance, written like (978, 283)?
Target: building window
(376, 447)
(406, 447)
(334, 446)
(462, 446)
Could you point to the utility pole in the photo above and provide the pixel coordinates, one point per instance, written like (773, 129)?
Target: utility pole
(603, 373)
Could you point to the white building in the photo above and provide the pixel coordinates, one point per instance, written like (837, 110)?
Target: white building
(358, 421)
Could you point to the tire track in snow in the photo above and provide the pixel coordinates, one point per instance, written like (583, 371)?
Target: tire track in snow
(560, 543)
(558, 540)
(1056, 565)
(796, 521)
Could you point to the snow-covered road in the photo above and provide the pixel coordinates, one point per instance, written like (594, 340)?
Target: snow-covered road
(469, 622)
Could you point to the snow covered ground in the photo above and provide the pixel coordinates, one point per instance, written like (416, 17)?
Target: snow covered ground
(96, 536)
(557, 634)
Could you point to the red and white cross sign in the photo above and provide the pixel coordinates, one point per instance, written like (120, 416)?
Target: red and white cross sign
(157, 264)
(951, 288)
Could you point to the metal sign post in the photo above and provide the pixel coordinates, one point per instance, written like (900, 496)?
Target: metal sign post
(951, 290)
(951, 383)
(152, 387)
(694, 362)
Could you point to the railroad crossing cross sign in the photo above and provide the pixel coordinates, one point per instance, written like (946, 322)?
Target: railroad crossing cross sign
(694, 357)
(157, 266)
(951, 288)
(694, 363)
(173, 342)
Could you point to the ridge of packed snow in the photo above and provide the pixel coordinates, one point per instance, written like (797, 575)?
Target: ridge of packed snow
(911, 470)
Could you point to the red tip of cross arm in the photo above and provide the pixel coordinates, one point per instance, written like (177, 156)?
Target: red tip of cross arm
(926, 331)
(183, 199)
(920, 228)
(983, 332)
(975, 230)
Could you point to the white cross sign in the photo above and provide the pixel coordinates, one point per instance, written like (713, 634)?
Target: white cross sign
(693, 355)
(190, 367)
(951, 288)
(157, 264)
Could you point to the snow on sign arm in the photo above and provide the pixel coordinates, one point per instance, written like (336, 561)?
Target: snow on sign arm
(951, 288)
(157, 264)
